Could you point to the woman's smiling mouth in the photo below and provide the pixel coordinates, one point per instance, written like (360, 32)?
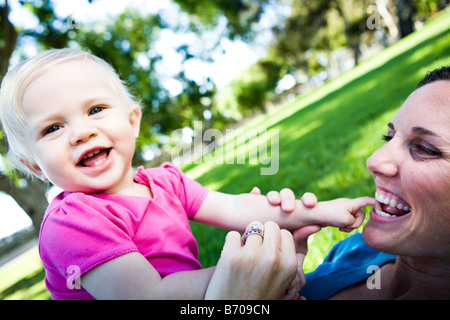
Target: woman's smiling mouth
(390, 205)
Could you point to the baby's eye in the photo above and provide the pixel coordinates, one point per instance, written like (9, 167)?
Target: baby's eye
(51, 129)
(95, 110)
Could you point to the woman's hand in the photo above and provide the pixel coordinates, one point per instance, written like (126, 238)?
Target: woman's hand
(261, 267)
(286, 199)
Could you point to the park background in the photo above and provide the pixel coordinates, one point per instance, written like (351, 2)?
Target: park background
(327, 75)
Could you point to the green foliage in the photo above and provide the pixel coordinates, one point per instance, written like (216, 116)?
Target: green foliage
(240, 14)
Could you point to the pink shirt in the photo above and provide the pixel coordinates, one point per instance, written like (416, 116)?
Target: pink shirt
(81, 231)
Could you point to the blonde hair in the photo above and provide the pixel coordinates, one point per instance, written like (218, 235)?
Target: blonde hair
(17, 80)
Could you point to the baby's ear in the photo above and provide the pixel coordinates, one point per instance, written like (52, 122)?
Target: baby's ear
(135, 115)
(35, 169)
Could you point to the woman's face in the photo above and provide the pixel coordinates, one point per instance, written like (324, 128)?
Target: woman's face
(412, 170)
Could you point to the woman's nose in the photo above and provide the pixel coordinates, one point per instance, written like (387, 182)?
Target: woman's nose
(82, 132)
(384, 161)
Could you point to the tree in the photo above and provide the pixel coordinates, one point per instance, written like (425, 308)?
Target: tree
(8, 36)
(405, 12)
(31, 195)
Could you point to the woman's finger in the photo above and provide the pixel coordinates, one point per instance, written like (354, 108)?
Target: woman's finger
(254, 234)
(272, 237)
(301, 237)
(309, 199)
(274, 198)
(256, 191)
(287, 200)
(232, 242)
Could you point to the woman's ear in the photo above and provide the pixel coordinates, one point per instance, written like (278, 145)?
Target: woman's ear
(135, 115)
(35, 169)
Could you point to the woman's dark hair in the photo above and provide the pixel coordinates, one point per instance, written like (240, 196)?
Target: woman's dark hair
(435, 75)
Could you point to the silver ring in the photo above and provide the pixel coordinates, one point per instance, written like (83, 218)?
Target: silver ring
(254, 229)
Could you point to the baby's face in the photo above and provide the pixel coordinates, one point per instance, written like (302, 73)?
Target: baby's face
(82, 136)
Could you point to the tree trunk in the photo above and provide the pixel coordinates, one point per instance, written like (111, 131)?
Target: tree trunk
(353, 42)
(9, 34)
(405, 11)
(31, 199)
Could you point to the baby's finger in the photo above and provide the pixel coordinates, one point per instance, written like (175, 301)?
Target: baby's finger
(359, 219)
(362, 202)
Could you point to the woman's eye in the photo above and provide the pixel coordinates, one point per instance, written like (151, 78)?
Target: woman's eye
(95, 110)
(386, 138)
(424, 151)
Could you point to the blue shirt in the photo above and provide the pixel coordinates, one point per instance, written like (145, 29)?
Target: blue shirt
(347, 263)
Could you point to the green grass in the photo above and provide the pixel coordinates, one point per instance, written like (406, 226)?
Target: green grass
(325, 137)
(23, 278)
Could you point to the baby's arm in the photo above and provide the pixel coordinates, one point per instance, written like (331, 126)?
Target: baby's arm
(234, 212)
(131, 276)
(285, 197)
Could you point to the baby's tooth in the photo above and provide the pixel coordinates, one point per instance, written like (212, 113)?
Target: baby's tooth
(386, 201)
(406, 208)
(400, 206)
(393, 203)
(380, 198)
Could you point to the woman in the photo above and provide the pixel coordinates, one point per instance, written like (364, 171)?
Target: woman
(408, 233)
(406, 242)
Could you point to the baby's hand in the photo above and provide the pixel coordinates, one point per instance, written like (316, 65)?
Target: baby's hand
(286, 199)
(346, 214)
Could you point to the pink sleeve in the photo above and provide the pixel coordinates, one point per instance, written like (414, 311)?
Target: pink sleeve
(84, 232)
(190, 192)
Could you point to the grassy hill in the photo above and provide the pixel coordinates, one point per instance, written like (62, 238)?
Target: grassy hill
(326, 135)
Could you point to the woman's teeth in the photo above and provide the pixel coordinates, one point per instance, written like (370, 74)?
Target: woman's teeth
(383, 214)
(391, 202)
(391, 206)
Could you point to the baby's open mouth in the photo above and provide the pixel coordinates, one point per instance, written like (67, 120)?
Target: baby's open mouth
(94, 158)
(391, 205)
